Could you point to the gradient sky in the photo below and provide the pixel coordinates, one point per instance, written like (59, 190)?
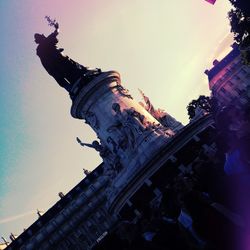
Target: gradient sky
(159, 46)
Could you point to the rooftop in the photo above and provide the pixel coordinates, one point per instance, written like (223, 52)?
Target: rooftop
(55, 209)
(220, 65)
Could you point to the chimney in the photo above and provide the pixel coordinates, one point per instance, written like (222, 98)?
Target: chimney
(86, 171)
(61, 194)
(206, 72)
(12, 237)
(215, 62)
(5, 241)
(39, 213)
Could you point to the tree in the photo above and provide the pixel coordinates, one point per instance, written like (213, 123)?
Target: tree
(243, 5)
(240, 26)
(203, 102)
(239, 18)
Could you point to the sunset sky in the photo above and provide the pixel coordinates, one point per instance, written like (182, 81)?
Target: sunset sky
(162, 47)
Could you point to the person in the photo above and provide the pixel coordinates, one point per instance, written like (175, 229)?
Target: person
(64, 70)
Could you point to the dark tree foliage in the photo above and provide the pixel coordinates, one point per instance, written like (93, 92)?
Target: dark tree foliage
(239, 18)
(203, 102)
(240, 26)
(243, 5)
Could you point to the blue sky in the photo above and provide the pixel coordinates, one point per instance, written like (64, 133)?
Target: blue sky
(161, 48)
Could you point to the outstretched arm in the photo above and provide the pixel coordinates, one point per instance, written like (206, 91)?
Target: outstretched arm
(84, 144)
(56, 28)
(53, 23)
(54, 34)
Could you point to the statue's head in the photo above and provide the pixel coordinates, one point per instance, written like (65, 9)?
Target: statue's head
(95, 143)
(130, 111)
(116, 107)
(39, 38)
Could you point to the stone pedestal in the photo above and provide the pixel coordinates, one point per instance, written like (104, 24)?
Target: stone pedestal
(126, 130)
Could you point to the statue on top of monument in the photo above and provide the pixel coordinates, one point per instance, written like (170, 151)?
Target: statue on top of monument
(64, 70)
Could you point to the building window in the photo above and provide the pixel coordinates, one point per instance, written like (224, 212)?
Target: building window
(29, 232)
(223, 90)
(20, 241)
(243, 72)
(92, 188)
(39, 223)
(218, 82)
(239, 91)
(236, 78)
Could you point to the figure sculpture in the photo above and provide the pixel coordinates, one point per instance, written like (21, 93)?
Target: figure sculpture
(122, 91)
(161, 115)
(86, 171)
(91, 119)
(130, 125)
(95, 145)
(111, 161)
(64, 70)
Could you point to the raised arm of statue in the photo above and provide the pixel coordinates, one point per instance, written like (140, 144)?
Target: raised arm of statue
(84, 144)
(51, 22)
(56, 27)
(54, 34)
(52, 38)
(95, 145)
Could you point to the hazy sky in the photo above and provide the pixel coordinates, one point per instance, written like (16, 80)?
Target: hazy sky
(159, 46)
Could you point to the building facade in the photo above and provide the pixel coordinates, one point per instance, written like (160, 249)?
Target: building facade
(229, 79)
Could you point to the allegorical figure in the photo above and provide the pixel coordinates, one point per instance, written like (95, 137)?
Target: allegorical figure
(129, 123)
(111, 161)
(61, 67)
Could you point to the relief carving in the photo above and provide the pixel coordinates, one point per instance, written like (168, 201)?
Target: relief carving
(122, 91)
(91, 119)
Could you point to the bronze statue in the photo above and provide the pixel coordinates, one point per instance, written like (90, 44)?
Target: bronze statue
(112, 161)
(61, 67)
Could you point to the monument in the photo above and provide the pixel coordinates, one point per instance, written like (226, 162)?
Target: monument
(126, 129)
(143, 150)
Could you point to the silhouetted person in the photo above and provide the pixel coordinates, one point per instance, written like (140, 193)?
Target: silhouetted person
(62, 68)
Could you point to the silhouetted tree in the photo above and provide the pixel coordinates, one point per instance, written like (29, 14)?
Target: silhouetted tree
(203, 102)
(243, 5)
(239, 18)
